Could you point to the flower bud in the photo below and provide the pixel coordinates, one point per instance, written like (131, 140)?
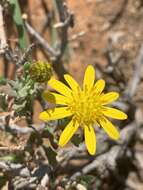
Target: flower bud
(41, 71)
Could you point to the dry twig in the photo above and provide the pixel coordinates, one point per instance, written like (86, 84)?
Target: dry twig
(3, 43)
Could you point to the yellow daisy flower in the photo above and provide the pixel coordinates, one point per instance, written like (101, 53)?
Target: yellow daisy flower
(85, 107)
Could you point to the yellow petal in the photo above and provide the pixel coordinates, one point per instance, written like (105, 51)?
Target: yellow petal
(114, 113)
(60, 87)
(68, 132)
(56, 113)
(72, 83)
(99, 86)
(109, 97)
(109, 128)
(89, 77)
(90, 139)
(55, 98)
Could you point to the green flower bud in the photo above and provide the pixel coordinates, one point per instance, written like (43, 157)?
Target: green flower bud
(27, 66)
(41, 71)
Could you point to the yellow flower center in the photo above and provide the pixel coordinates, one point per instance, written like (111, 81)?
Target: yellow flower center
(86, 107)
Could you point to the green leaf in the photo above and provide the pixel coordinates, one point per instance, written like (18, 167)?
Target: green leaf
(26, 66)
(23, 92)
(86, 180)
(51, 155)
(49, 129)
(76, 139)
(62, 123)
(12, 158)
(3, 80)
(15, 84)
(16, 15)
(3, 103)
(19, 107)
(3, 180)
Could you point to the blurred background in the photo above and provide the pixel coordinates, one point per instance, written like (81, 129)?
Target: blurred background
(69, 35)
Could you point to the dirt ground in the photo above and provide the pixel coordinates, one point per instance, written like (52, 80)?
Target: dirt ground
(104, 23)
(105, 26)
(116, 23)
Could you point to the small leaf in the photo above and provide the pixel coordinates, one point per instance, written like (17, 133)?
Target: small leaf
(86, 180)
(3, 80)
(12, 158)
(16, 15)
(51, 155)
(19, 107)
(3, 103)
(63, 122)
(26, 66)
(76, 139)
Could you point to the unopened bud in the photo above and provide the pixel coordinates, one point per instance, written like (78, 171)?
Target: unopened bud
(41, 71)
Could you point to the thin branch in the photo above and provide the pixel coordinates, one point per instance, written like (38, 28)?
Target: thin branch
(136, 75)
(25, 55)
(66, 21)
(17, 129)
(3, 43)
(41, 41)
(108, 160)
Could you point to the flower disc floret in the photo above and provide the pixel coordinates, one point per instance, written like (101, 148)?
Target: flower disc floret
(86, 107)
